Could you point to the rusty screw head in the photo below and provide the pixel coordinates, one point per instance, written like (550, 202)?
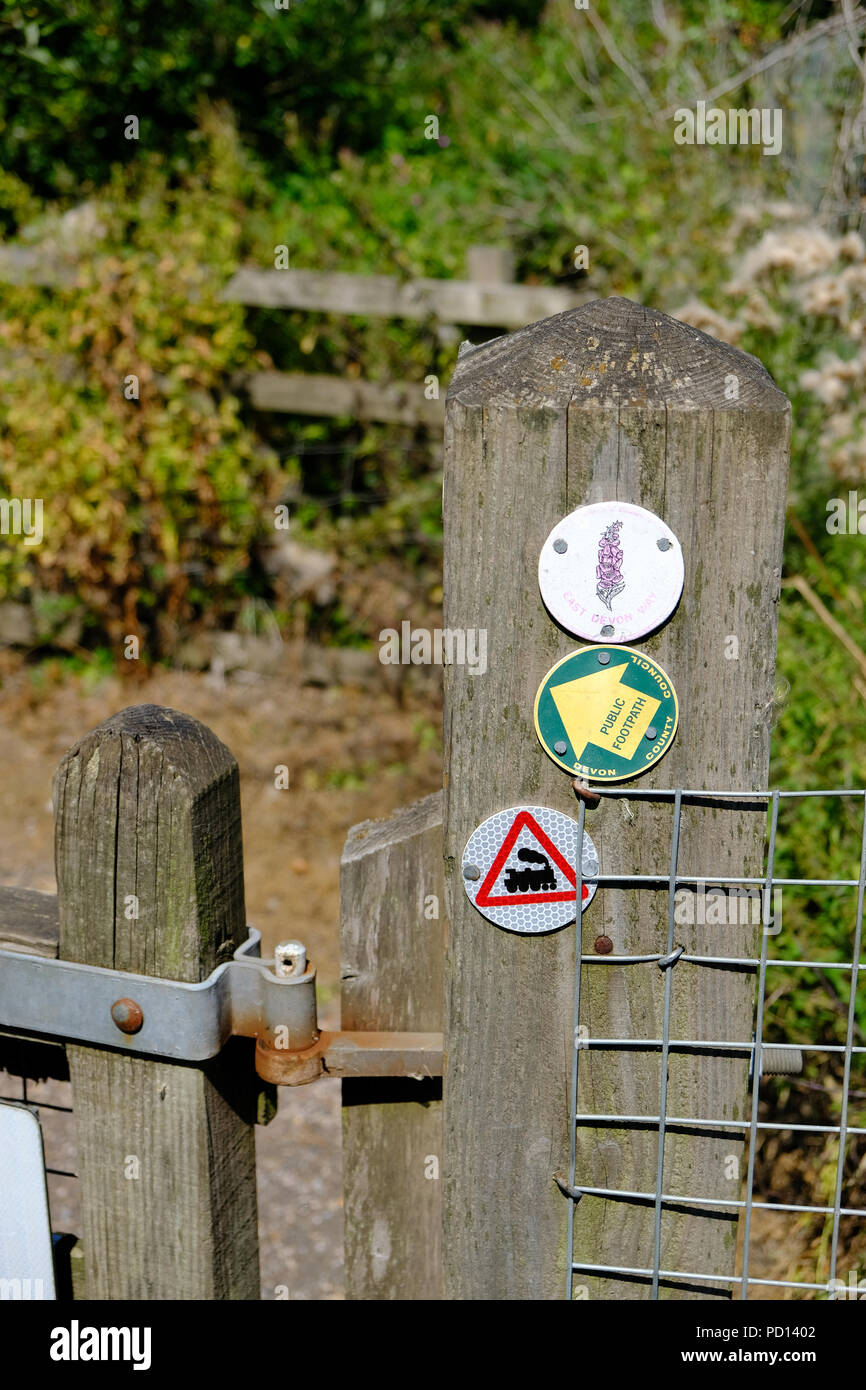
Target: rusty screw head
(127, 1015)
(603, 945)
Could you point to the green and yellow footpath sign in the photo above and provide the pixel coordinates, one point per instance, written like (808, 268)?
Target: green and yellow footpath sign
(607, 713)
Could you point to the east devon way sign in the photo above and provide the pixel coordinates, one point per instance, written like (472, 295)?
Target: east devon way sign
(607, 713)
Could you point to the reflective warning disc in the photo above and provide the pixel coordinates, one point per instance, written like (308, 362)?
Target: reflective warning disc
(606, 713)
(518, 869)
(611, 572)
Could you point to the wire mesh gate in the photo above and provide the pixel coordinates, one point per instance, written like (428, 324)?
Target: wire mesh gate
(755, 1047)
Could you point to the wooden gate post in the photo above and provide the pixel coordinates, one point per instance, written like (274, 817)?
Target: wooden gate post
(150, 880)
(607, 401)
(392, 946)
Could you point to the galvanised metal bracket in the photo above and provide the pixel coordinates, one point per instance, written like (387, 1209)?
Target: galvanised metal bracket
(273, 1001)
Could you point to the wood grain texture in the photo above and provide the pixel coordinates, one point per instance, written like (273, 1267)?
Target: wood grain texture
(28, 921)
(393, 952)
(148, 805)
(608, 401)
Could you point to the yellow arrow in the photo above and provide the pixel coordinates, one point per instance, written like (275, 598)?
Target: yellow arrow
(603, 710)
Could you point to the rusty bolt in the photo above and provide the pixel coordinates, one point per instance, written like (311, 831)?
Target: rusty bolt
(603, 945)
(127, 1015)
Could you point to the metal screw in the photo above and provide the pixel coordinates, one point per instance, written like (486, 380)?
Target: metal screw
(127, 1015)
(471, 871)
(651, 733)
(603, 945)
(663, 544)
(560, 747)
(607, 630)
(603, 658)
(560, 546)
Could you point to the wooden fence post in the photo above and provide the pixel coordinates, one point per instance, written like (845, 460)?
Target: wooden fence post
(150, 879)
(392, 946)
(607, 401)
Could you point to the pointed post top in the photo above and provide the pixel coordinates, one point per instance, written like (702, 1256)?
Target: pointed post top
(613, 352)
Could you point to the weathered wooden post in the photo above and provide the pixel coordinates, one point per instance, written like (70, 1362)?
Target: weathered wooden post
(607, 401)
(150, 880)
(392, 948)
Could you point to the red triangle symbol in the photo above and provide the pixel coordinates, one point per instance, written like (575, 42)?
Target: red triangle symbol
(524, 820)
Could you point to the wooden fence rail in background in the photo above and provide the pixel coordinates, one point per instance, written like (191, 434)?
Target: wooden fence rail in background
(383, 296)
(300, 393)
(487, 299)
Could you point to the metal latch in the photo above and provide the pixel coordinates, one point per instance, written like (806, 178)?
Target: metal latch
(273, 1001)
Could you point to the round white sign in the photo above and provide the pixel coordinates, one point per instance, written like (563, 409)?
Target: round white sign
(519, 869)
(611, 572)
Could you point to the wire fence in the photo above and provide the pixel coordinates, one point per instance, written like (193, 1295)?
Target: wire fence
(343, 496)
(752, 1127)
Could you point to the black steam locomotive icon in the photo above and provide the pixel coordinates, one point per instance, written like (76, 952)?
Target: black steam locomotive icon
(529, 879)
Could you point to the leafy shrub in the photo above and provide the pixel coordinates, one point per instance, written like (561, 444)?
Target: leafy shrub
(71, 73)
(796, 297)
(150, 504)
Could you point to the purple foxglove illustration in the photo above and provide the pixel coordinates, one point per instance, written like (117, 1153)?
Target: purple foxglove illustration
(608, 571)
